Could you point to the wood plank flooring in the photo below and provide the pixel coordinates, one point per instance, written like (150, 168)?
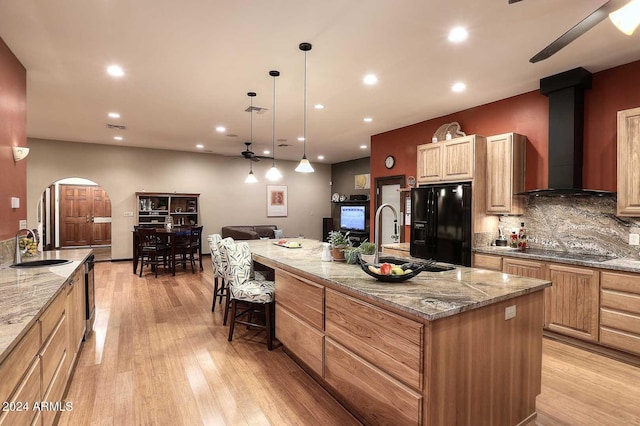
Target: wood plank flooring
(158, 356)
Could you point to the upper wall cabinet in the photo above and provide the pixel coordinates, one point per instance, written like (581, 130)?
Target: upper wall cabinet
(452, 160)
(505, 173)
(629, 162)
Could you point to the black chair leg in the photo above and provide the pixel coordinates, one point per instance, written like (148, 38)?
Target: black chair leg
(226, 310)
(215, 293)
(268, 312)
(234, 305)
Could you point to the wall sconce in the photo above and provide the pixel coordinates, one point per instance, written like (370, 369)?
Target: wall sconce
(20, 153)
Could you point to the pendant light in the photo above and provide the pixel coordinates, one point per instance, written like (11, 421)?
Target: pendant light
(274, 174)
(251, 178)
(304, 166)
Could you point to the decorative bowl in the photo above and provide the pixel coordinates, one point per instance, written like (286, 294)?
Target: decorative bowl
(416, 268)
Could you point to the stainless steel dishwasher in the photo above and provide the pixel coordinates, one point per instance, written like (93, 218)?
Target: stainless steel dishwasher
(90, 306)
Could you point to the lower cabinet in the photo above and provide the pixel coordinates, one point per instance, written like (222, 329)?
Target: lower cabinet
(620, 311)
(487, 261)
(377, 397)
(300, 338)
(572, 302)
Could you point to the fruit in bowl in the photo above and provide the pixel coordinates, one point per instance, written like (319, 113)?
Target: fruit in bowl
(28, 246)
(389, 269)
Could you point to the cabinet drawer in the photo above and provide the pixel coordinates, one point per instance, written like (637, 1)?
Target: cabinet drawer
(18, 361)
(300, 338)
(28, 392)
(627, 302)
(487, 262)
(389, 341)
(54, 351)
(54, 394)
(623, 321)
(378, 398)
(50, 318)
(301, 297)
(620, 282)
(619, 339)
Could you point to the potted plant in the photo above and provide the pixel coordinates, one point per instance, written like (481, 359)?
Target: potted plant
(339, 242)
(367, 251)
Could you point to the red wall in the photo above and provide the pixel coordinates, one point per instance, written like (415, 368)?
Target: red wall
(613, 90)
(13, 132)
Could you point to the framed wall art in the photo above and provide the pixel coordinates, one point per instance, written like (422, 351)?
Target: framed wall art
(276, 200)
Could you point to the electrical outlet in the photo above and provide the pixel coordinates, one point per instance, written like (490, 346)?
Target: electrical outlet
(22, 224)
(634, 239)
(128, 214)
(509, 312)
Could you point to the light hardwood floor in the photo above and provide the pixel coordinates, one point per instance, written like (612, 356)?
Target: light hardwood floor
(158, 356)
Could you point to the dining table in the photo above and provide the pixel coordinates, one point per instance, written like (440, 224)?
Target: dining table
(169, 235)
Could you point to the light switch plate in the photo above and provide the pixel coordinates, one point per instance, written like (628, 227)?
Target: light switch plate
(509, 312)
(22, 224)
(128, 214)
(634, 239)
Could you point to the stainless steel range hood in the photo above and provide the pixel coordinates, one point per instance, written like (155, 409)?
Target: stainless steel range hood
(566, 132)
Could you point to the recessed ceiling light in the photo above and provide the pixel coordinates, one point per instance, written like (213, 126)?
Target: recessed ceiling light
(118, 138)
(115, 71)
(370, 79)
(367, 119)
(459, 87)
(363, 146)
(114, 115)
(220, 129)
(458, 34)
(199, 146)
(320, 157)
(318, 106)
(266, 152)
(300, 139)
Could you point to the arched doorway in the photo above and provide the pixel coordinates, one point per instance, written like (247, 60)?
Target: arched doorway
(75, 212)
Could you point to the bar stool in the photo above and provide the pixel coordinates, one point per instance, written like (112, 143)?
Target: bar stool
(253, 295)
(219, 287)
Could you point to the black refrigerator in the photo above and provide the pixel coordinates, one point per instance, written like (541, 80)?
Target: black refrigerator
(441, 223)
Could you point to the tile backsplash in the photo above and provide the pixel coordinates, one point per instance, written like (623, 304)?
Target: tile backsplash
(7, 251)
(576, 224)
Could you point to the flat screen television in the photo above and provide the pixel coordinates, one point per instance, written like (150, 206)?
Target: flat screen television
(353, 218)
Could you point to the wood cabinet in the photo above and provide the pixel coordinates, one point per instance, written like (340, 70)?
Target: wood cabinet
(572, 302)
(505, 173)
(524, 268)
(620, 311)
(451, 161)
(300, 318)
(629, 162)
(487, 261)
(154, 208)
(38, 368)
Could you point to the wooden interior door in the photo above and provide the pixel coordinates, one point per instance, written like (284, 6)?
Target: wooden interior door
(79, 207)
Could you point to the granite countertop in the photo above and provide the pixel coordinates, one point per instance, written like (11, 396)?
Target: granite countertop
(570, 258)
(429, 295)
(397, 246)
(25, 293)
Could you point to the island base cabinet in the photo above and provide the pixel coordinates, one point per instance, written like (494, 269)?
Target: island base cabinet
(28, 392)
(301, 339)
(484, 369)
(376, 397)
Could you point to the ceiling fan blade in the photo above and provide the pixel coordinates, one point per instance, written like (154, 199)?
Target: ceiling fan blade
(576, 31)
(514, 1)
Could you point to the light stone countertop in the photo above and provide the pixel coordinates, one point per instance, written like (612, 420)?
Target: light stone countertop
(429, 295)
(614, 264)
(25, 293)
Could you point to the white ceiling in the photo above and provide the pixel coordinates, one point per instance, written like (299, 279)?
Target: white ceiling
(189, 65)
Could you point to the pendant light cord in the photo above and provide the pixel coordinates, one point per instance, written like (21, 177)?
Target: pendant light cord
(273, 125)
(304, 112)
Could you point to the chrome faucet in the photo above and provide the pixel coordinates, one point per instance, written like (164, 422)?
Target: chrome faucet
(377, 226)
(18, 255)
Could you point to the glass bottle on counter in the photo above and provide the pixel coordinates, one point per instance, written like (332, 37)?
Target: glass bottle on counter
(514, 240)
(522, 237)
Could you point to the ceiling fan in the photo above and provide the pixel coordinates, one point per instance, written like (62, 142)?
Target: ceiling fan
(250, 155)
(625, 15)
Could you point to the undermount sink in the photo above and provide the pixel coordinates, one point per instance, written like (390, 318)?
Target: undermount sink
(41, 263)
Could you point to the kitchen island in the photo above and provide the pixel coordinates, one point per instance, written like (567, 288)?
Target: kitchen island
(456, 347)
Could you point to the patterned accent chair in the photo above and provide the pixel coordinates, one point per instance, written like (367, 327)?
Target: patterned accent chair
(250, 294)
(219, 287)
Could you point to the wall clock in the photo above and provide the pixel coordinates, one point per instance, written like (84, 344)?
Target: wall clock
(390, 161)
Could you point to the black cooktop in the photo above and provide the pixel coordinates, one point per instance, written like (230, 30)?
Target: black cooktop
(589, 257)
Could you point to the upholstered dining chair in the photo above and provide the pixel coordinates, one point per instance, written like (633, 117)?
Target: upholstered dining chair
(250, 294)
(219, 287)
(223, 247)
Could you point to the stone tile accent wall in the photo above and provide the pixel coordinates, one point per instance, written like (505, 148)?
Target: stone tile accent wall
(575, 224)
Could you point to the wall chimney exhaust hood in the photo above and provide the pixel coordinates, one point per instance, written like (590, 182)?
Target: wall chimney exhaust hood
(566, 131)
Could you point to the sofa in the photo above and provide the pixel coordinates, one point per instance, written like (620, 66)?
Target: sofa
(249, 232)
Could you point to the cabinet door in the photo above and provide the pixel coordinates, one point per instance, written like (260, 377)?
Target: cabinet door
(27, 393)
(572, 302)
(304, 341)
(458, 159)
(629, 162)
(430, 162)
(505, 173)
(486, 261)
